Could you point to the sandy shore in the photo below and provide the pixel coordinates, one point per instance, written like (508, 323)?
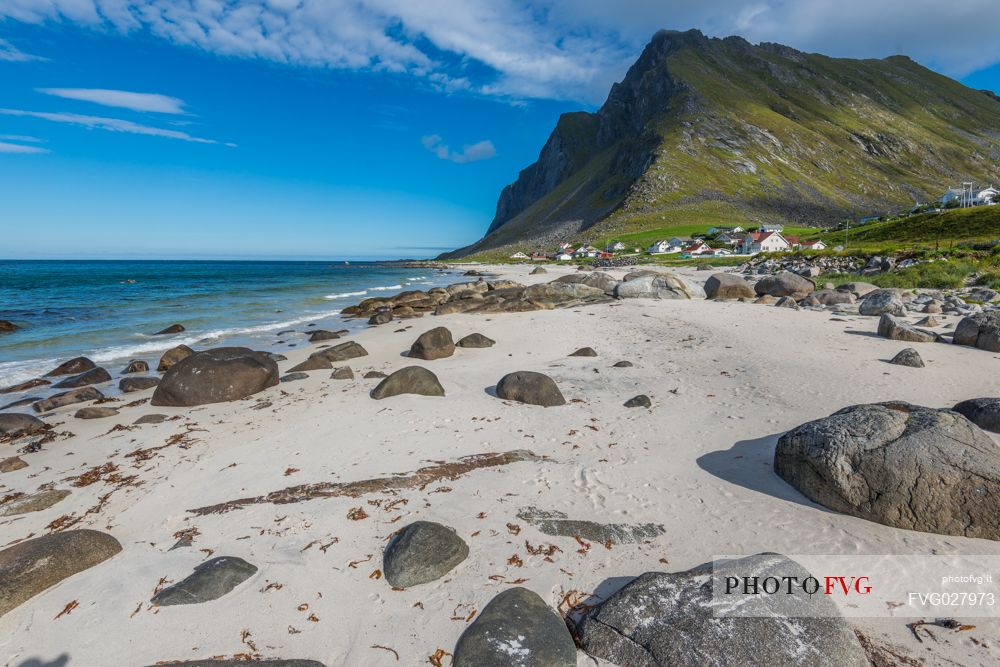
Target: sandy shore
(725, 378)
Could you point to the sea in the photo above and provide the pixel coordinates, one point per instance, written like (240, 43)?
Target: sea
(109, 310)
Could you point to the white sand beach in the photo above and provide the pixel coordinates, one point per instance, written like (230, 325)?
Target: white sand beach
(726, 379)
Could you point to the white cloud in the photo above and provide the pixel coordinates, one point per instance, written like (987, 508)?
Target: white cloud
(109, 124)
(11, 53)
(120, 98)
(482, 150)
(23, 138)
(565, 49)
(7, 147)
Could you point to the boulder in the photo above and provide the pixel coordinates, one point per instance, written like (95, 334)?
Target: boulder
(209, 581)
(93, 376)
(516, 628)
(725, 286)
(342, 373)
(341, 352)
(928, 322)
(933, 308)
(172, 356)
(475, 340)
(321, 335)
(277, 357)
(32, 566)
(640, 401)
(530, 387)
(558, 524)
(70, 397)
(95, 412)
(172, 329)
(908, 357)
(503, 284)
(215, 376)
(551, 295)
(896, 329)
(882, 302)
(900, 465)
(151, 419)
(433, 344)
(136, 366)
(622, 364)
(785, 283)
(602, 281)
(981, 330)
(829, 297)
(786, 302)
(12, 423)
(673, 618)
(293, 377)
(652, 285)
(584, 352)
(27, 384)
(538, 270)
(382, 317)
(313, 362)
(983, 295)
(6, 326)
(983, 412)
(859, 290)
(74, 366)
(12, 463)
(409, 380)
(374, 375)
(766, 300)
(129, 385)
(36, 502)
(422, 552)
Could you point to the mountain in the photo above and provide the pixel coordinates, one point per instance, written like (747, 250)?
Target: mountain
(721, 131)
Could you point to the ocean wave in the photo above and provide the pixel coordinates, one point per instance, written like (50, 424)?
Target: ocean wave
(385, 288)
(417, 278)
(344, 295)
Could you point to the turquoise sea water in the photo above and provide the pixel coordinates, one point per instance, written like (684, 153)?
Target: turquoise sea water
(107, 310)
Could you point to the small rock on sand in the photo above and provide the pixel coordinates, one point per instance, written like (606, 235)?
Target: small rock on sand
(80, 395)
(640, 401)
(475, 340)
(342, 373)
(422, 552)
(27, 384)
(136, 366)
(74, 366)
(95, 412)
(908, 357)
(11, 464)
(434, 344)
(129, 385)
(209, 581)
(151, 419)
(410, 380)
(36, 502)
(374, 375)
(622, 364)
(16, 422)
(293, 377)
(530, 387)
(93, 376)
(322, 334)
(584, 352)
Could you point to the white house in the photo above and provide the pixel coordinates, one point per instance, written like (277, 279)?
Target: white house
(519, 255)
(659, 248)
(757, 242)
(698, 248)
(813, 245)
(771, 228)
(538, 256)
(726, 239)
(566, 247)
(721, 252)
(564, 256)
(724, 230)
(989, 196)
(617, 246)
(586, 251)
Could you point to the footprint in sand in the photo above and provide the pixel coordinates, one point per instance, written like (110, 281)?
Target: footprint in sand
(589, 482)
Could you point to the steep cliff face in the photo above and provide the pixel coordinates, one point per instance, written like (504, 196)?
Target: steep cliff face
(720, 130)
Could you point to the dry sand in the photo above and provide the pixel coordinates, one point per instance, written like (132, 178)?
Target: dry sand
(725, 379)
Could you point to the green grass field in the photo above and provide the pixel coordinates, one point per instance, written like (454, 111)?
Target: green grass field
(921, 232)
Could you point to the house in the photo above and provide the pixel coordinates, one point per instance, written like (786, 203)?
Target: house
(721, 252)
(538, 256)
(793, 241)
(519, 255)
(617, 246)
(757, 242)
(726, 239)
(771, 228)
(586, 251)
(813, 245)
(988, 197)
(676, 242)
(724, 230)
(566, 247)
(698, 248)
(564, 256)
(952, 195)
(659, 248)
(605, 255)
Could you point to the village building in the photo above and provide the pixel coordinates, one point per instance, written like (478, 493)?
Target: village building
(988, 197)
(538, 256)
(771, 228)
(519, 255)
(698, 248)
(564, 256)
(586, 251)
(617, 246)
(757, 242)
(724, 230)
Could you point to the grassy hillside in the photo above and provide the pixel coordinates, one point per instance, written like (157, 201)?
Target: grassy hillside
(925, 231)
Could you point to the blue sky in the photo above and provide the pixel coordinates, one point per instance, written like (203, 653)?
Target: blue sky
(328, 128)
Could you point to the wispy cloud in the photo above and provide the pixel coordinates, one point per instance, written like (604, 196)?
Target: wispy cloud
(120, 98)
(11, 53)
(7, 147)
(23, 138)
(482, 150)
(110, 125)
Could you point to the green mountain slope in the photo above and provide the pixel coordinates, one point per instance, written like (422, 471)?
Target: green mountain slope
(722, 131)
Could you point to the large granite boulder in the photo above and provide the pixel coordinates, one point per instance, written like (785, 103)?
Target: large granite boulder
(673, 619)
(215, 376)
(313, 362)
(74, 366)
(653, 285)
(341, 352)
(30, 567)
(409, 380)
(434, 344)
(530, 387)
(17, 423)
(981, 330)
(857, 289)
(94, 376)
(172, 329)
(896, 329)
(785, 283)
(172, 356)
(900, 465)
(209, 581)
(516, 629)
(27, 384)
(129, 385)
(551, 295)
(882, 302)
(602, 281)
(983, 412)
(538, 270)
(421, 552)
(320, 335)
(832, 297)
(70, 397)
(725, 286)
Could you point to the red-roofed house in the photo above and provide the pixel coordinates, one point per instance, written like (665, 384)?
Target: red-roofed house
(813, 245)
(757, 242)
(697, 248)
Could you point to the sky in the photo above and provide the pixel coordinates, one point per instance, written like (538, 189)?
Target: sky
(326, 129)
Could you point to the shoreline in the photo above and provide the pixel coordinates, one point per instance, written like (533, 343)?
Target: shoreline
(726, 379)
